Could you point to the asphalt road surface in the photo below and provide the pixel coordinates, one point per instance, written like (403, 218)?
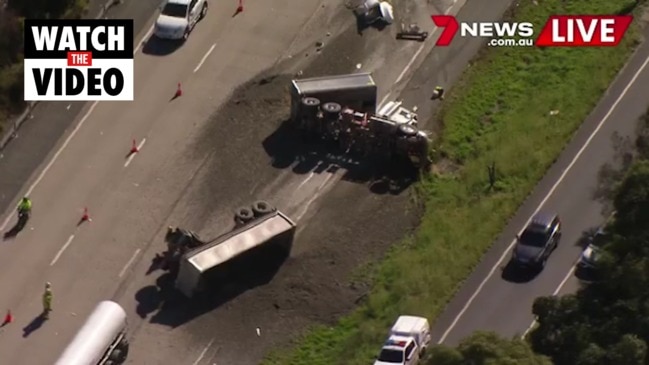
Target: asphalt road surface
(130, 199)
(195, 166)
(496, 298)
(50, 120)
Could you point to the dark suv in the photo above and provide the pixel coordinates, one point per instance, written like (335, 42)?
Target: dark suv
(538, 240)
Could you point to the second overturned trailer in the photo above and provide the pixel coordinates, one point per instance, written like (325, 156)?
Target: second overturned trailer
(258, 243)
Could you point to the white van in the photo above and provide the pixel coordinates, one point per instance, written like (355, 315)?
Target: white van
(101, 340)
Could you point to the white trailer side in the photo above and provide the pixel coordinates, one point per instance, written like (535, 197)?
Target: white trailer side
(274, 231)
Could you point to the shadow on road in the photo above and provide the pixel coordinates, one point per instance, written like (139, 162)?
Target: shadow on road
(155, 46)
(15, 230)
(288, 148)
(169, 307)
(35, 324)
(515, 274)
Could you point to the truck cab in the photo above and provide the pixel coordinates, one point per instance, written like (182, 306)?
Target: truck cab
(406, 342)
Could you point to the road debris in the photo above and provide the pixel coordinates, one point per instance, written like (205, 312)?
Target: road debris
(412, 32)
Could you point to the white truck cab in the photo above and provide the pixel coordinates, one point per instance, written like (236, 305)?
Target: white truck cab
(406, 343)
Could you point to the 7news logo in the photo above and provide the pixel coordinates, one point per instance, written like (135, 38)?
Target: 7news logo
(78, 60)
(558, 31)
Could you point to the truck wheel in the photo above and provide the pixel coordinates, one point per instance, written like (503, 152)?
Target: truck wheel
(331, 111)
(261, 208)
(333, 108)
(244, 215)
(117, 356)
(406, 130)
(311, 102)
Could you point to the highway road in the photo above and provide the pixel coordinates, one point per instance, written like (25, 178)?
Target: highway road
(50, 120)
(496, 299)
(132, 200)
(128, 202)
(197, 163)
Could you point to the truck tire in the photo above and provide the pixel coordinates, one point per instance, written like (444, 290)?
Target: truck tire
(309, 109)
(261, 208)
(406, 130)
(244, 215)
(117, 356)
(331, 111)
(310, 102)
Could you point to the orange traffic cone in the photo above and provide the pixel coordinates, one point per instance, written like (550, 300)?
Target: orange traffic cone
(85, 217)
(134, 148)
(179, 91)
(8, 319)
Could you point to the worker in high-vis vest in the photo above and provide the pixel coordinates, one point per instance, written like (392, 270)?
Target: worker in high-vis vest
(439, 93)
(47, 300)
(25, 205)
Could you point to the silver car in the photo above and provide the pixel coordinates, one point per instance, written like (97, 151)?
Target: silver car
(588, 258)
(179, 17)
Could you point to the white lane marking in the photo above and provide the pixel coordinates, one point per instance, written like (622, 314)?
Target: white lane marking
(56, 155)
(205, 57)
(129, 263)
(202, 355)
(67, 141)
(139, 148)
(316, 195)
(305, 181)
(554, 294)
(58, 254)
(412, 60)
(545, 199)
(143, 40)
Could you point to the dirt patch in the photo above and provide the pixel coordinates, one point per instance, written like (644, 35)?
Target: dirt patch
(353, 224)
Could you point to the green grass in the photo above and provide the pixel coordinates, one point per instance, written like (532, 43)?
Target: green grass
(498, 112)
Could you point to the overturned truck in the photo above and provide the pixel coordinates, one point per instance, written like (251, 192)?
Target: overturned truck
(259, 243)
(342, 109)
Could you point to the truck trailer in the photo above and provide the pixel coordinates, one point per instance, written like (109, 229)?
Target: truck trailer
(356, 91)
(257, 241)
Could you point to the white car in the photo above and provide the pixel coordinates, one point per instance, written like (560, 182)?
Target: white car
(178, 18)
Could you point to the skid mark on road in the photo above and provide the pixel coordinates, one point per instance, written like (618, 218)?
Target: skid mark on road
(315, 196)
(58, 254)
(545, 199)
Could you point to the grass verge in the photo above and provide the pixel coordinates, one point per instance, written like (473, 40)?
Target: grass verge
(499, 112)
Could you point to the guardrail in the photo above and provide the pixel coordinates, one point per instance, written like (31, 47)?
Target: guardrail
(12, 131)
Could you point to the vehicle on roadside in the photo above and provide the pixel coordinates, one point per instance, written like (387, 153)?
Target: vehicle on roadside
(178, 18)
(101, 340)
(592, 252)
(537, 241)
(406, 343)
